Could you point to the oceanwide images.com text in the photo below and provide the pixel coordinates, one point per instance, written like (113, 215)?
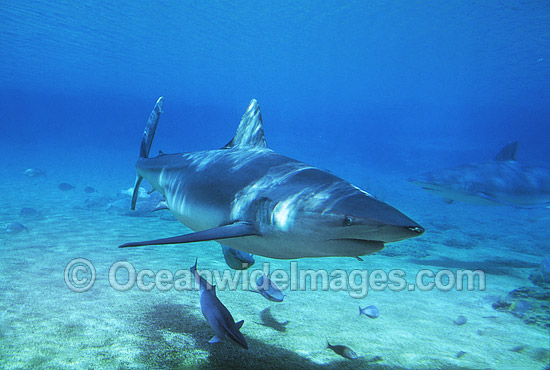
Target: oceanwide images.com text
(80, 275)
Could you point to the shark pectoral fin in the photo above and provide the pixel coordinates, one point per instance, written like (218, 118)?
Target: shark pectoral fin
(490, 198)
(485, 196)
(215, 339)
(502, 203)
(135, 194)
(234, 230)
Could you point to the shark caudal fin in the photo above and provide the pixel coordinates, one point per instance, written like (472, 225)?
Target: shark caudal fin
(147, 141)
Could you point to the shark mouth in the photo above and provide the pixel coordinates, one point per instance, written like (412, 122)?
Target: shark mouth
(362, 246)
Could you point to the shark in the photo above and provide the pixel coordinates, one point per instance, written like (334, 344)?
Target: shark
(255, 200)
(502, 181)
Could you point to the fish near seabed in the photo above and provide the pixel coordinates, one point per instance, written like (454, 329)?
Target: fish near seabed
(65, 186)
(370, 311)
(261, 202)
(268, 289)
(236, 259)
(343, 351)
(500, 182)
(216, 314)
(34, 172)
(14, 228)
(89, 190)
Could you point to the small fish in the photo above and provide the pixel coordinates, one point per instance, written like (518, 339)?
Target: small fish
(519, 308)
(269, 321)
(236, 259)
(370, 311)
(519, 349)
(269, 289)
(89, 190)
(65, 186)
(374, 359)
(216, 314)
(460, 320)
(142, 192)
(29, 212)
(460, 354)
(14, 228)
(34, 172)
(343, 351)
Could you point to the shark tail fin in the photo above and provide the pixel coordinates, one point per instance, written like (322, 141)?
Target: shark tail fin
(136, 191)
(147, 141)
(150, 129)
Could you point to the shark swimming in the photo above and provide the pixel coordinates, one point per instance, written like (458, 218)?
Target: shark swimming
(258, 201)
(502, 181)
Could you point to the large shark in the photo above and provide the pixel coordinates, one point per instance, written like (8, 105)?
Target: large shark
(258, 201)
(501, 181)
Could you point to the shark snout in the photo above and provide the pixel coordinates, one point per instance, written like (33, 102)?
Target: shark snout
(391, 225)
(396, 233)
(373, 220)
(389, 232)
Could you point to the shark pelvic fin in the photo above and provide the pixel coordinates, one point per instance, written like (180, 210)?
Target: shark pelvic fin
(234, 230)
(250, 132)
(508, 153)
(161, 206)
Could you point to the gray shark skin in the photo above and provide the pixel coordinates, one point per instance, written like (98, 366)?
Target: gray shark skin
(500, 182)
(216, 314)
(261, 202)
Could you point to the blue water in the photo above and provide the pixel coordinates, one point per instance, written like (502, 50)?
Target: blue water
(374, 91)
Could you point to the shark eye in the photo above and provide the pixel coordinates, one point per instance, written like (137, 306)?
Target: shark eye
(348, 221)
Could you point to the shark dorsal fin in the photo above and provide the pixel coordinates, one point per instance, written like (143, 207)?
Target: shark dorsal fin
(508, 153)
(250, 132)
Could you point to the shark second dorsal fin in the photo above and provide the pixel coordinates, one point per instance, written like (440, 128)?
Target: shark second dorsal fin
(250, 132)
(508, 153)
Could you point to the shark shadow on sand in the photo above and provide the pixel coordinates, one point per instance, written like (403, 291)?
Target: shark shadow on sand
(159, 353)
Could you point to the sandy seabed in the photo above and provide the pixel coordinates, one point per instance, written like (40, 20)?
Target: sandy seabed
(44, 324)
